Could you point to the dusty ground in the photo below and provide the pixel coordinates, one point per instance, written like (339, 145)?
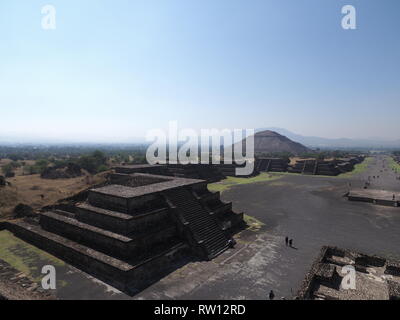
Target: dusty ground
(28, 189)
(17, 171)
(309, 209)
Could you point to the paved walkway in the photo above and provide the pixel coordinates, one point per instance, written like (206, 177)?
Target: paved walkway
(380, 175)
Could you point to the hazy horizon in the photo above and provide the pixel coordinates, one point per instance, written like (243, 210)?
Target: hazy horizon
(111, 70)
(374, 141)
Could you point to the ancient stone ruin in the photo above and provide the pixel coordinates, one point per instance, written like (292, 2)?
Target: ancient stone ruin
(271, 164)
(217, 172)
(229, 170)
(378, 197)
(197, 171)
(209, 172)
(136, 228)
(326, 168)
(376, 278)
(206, 172)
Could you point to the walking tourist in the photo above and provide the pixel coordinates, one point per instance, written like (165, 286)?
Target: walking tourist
(271, 295)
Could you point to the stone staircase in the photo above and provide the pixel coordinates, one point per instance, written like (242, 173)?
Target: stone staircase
(271, 164)
(203, 227)
(262, 164)
(309, 167)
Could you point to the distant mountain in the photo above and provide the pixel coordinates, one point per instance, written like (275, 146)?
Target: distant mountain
(268, 141)
(318, 142)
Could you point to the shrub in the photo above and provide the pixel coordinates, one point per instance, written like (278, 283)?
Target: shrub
(8, 170)
(92, 163)
(102, 168)
(23, 210)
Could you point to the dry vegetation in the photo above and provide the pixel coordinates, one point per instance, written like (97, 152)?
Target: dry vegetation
(36, 192)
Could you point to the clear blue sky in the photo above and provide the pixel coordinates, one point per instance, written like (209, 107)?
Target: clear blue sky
(113, 69)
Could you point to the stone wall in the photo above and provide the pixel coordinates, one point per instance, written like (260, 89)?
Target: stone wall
(321, 271)
(108, 202)
(105, 241)
(308, 285)
(130, 205)
(122, 223)
(196, 171)
(143, 168)
(134, 180)
(121, 275)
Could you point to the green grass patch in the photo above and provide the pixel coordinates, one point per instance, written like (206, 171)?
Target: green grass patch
(300, 174)
(25, 257)
(253, 223)
(270, 176)
(234, 181)
(394, 165)
(358, 168)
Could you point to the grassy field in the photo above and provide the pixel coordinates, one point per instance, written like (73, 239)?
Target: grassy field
(358, 168)
(233, 181)
(394, 165)
(24, 257)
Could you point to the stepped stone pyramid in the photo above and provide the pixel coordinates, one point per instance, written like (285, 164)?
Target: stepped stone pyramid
(271, 164)
(136, 229)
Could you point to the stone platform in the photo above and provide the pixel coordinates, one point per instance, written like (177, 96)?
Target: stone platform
(380, 197)
(135, 229)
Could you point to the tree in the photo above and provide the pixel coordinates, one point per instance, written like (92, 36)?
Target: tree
(92, 163)
(99, 157)
(41, 165)
(8, 170)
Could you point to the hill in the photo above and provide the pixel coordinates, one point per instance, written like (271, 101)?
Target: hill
(338, 143)
(272, 142)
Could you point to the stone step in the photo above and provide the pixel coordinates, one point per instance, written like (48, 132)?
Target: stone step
(122, 275)
(202, 225)
(94, 237)
(121, 222)
(121, 246)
